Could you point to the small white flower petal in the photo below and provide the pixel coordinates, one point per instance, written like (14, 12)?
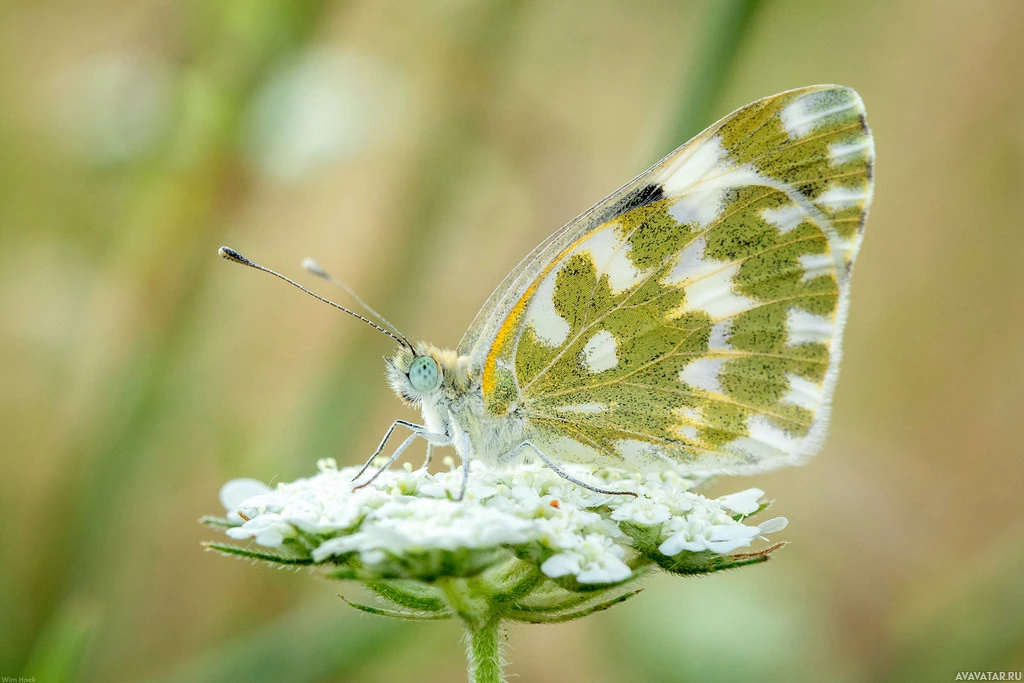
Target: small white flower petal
(611, 570)
(409, 512)
(597, 559)
(236, 491)
(745, 502)
(725, 539)
(642, 511)
(677, 543)
(334, 547)
(561, 565)
(268, 530)
(772, 525)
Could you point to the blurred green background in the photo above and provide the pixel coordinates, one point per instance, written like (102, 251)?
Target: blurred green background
(419, 150)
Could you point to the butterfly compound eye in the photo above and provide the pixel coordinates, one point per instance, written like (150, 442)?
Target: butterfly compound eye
(424, 375)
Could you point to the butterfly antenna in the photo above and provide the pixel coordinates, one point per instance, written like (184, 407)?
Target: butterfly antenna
(313, 268)
(232, 255)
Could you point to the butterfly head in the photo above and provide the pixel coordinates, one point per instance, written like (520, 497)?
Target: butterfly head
(425, 373)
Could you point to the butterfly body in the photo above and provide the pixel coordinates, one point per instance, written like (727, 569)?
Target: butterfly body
(454, 412)
(691, 320)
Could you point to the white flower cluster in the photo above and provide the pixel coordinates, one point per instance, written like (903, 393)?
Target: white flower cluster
(577, 531)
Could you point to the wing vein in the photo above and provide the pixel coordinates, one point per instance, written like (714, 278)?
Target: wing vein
(724, 399)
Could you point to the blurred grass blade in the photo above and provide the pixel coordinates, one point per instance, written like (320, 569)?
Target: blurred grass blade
(64, 642)
(172, 208)
(727, 27)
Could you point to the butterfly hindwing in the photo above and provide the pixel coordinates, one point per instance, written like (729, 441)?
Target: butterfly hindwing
(692, 319)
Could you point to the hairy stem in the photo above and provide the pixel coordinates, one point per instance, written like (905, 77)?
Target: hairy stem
(483, 632)
(483, 652)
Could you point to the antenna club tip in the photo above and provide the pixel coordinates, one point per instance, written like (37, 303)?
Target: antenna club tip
(232, 255)
(311, 266)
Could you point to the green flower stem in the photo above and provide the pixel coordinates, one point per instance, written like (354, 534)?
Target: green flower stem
(483, 630)
(484, 653)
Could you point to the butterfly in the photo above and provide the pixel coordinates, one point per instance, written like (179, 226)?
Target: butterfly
(689, 321)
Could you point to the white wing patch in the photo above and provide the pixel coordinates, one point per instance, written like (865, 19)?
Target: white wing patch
(689, 432)
(842, 152)
(691, 263)
(689, 170)
(766, 443)
(785, 218)
(700, 207)
(550, 327)
(703, 374)
(599, 353)
(803, 393)
(611, 256)
(713, 294)
(838, 197)
(764, 431)
(806, 327)
(807, 114)
(719, 338)
(701, 180)
(689, 414)
(815, 265)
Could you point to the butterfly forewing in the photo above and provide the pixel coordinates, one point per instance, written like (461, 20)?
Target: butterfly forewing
(693, 319)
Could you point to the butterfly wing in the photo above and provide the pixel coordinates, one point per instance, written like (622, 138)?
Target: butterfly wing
(693, 318)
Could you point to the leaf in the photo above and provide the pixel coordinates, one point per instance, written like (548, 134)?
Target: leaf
(262, 556)
(706, 562)
(398, 614)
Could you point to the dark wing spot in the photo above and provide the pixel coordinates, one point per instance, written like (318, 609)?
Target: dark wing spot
(641, 196)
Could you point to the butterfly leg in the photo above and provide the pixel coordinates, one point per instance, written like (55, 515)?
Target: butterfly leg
(430, 453)
(394, 456)
(416, 430)
(562, 473)
(465, 480)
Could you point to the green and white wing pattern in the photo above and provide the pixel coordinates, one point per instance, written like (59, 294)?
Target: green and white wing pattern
(692, 320)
